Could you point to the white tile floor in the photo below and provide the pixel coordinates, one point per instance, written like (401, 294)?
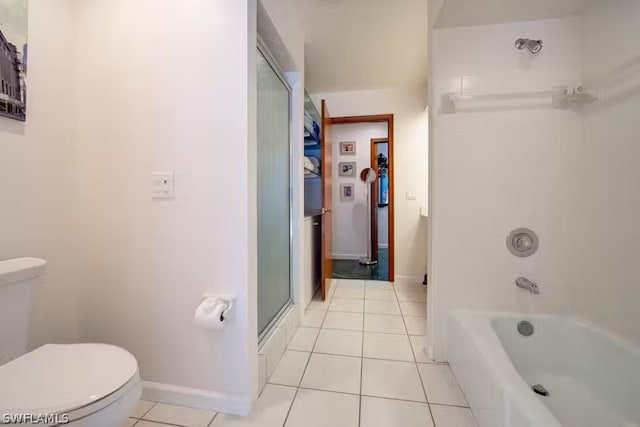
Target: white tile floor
(356, 361)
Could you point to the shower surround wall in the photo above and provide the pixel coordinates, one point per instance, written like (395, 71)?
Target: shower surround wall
(611, 162)
(572, 177)
(495, 171)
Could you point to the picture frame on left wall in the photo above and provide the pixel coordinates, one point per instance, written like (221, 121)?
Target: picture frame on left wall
(13, 58)
(347, 192)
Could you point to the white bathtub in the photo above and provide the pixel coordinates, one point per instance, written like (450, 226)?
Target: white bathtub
(593, 378)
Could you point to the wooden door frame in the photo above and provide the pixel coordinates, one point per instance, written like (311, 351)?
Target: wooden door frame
(326, 244)
(381, 118)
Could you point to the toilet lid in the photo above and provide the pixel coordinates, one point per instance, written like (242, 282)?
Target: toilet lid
(60, 378)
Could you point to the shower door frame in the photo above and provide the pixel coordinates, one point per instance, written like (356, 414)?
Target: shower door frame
(266, 333)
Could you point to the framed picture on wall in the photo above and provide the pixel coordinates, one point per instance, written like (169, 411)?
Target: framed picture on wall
(13, 59)
(347, 169)
(348, 148)
(346, 192)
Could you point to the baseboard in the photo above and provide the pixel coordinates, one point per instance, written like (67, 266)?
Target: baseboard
(195, 398)
(409, 279)
(348, 256)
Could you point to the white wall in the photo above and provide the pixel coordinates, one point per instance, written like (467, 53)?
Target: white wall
(153, 96)
(350, 217)
(498, 170)
(410, 163)
(37, 171)
(611, 167)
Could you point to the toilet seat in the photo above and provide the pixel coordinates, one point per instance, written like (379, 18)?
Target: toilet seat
(73, 379)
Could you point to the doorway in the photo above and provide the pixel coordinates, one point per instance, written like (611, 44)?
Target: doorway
(360, 226)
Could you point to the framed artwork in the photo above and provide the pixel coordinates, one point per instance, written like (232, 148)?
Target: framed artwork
(348, 148)
(13, 59)
(346, 192)
(347, 169)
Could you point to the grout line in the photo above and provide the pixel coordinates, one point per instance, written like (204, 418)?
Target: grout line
(330, 391)
(396, 399)
(284, 385)
(286, 418)
(362, 330)
(163, 423)
(217, 413)
(315, 342)
(458, 384)
(352, 312)
(449, 405)
(304, 371)
(424, 389)
(147, 411)
(376, 358)
(369, 395)
(383, 314)
(333, 354)
(361, 369)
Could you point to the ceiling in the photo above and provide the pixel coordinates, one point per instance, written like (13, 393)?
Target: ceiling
(365, 44)
(460, 13)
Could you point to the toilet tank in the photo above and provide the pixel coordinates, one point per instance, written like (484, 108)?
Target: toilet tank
(17, 285)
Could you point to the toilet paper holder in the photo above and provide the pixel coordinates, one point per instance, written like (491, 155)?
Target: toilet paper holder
(214, 310)
(227, 299)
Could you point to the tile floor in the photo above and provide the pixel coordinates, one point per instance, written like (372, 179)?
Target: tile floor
(356, 361)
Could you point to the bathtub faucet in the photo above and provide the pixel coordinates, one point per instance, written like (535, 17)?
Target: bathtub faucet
(527, 285)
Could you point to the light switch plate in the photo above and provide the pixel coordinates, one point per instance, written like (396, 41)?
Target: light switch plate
(162, 185)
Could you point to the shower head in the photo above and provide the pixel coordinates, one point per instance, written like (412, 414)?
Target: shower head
(534, 46)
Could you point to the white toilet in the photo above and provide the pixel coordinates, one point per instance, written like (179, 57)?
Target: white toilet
(95, 385)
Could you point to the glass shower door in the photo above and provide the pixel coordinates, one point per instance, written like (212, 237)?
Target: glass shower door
(274, 207)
